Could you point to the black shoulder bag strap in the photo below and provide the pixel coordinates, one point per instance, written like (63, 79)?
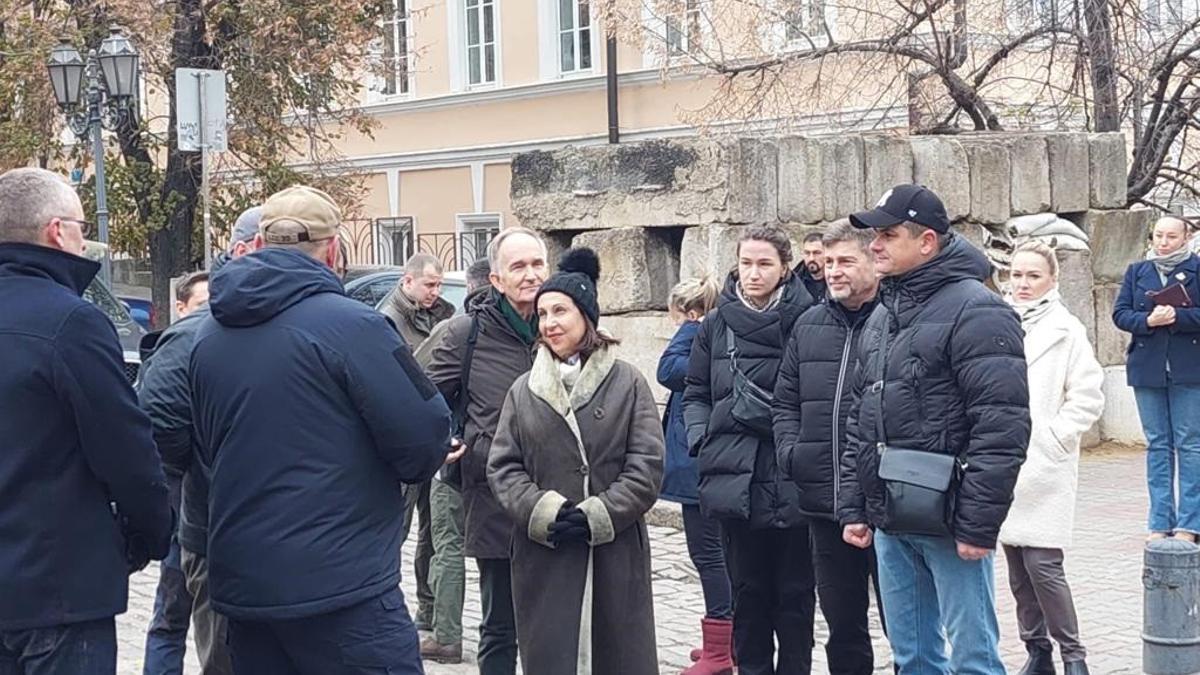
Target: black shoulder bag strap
(464, 380)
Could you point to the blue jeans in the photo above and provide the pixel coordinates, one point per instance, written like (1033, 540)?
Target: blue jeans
(166, 639)
(88, 648)
(1171, 421)
(930, 594)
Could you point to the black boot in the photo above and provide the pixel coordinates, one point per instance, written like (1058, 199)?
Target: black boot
(1075, 668)
(1040, 663)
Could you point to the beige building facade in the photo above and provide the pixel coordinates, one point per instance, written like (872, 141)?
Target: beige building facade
(465, 85)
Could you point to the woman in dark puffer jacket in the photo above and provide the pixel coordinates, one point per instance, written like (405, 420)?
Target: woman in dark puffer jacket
(766, 542)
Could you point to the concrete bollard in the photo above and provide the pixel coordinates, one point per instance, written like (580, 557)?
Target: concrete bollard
(1171, 608)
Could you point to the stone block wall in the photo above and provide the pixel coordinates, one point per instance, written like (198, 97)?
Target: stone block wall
(661, 211)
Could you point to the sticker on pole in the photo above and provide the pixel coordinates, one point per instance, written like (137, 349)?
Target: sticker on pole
(200, 95)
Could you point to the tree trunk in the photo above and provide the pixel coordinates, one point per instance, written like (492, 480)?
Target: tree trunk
(171, 244)
(1100, 50)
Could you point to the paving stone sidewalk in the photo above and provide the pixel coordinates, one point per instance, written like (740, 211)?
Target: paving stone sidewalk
(1103, 566)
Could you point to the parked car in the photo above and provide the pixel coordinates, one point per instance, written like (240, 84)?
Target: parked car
(128, 330)
(375, 287)
(141, 309)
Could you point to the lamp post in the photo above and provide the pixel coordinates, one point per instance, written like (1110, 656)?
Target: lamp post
(111, 77)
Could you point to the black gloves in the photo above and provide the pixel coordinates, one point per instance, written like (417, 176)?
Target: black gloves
(570, 525)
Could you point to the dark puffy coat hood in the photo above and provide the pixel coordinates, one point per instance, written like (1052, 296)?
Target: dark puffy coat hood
(255, 288)
(739, 475)
(960, 260)
(954, 382)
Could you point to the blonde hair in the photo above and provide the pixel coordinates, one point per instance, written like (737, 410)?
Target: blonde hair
(1040, 249)
(694, 295)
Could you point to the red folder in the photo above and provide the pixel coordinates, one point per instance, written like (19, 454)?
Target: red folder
(1174, 295)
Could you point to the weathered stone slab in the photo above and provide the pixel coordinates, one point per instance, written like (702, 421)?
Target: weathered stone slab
(841, 176)
(1111, 342)
(638, 267)
(973, 232)
(1075, 285)
(1069, 172)
(991, 182)
(653, 184)
(709, 250)
(800, 176)
(752, 177)
(643, 338)
(1120, 421)
(1117, 238)
(1107, 167)
(820, 179)
(888, 162)
(1030, 191)
(941, 165)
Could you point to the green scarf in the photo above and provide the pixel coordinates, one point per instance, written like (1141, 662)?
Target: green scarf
(527, 329)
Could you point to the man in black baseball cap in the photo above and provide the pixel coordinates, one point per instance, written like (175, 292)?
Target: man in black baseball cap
(944, 376)
(905, 203)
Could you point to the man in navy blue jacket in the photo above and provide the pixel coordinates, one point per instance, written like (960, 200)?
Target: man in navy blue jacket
(310, 411)
(83, 499)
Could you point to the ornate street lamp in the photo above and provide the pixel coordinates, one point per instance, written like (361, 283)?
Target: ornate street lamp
(110, 75)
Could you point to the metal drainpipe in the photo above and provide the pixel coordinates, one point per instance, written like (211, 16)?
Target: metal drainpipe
(614, 128)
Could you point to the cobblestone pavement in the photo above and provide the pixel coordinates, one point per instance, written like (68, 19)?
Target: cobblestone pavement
(1104, 568)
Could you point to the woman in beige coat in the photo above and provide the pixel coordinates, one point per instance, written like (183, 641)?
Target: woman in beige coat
(1065, 400)
(576, 463)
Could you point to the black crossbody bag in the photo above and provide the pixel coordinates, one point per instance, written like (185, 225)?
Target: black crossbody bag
(919, 486)
(751, 403)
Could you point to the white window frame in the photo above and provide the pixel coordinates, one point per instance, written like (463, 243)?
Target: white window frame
(683, 33)
(397, 78)
(576, 32)
(481, 7)
(810, 15)
(1169, 15)
(388, 227)
(469, 223)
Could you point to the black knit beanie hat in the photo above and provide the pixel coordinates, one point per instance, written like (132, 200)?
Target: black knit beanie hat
(578, 272)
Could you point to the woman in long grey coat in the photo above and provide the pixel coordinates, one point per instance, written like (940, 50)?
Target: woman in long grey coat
(576, 463)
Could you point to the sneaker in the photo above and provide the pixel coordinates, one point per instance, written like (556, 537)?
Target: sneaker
(432, 650)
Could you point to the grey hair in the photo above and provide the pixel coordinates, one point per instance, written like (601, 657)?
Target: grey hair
(477, 274)
(29, 199)
(493, 248)
(415, 267)
(843, 231)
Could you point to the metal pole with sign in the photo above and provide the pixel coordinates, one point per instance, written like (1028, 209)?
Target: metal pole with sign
(201, 87)
(200, 123)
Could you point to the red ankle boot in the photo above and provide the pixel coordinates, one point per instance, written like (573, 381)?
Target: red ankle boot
(716, 658)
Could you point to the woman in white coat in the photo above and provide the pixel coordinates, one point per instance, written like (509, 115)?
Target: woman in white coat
(1065, 400)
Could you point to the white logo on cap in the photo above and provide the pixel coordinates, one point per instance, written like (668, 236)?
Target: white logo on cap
(883, 200)
(912, 213)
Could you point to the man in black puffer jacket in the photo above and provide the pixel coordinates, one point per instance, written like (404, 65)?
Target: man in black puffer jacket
(942, 372)
(810, 436)
(766, 543)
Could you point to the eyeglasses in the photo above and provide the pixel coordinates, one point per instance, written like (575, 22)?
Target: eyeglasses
(85, 226)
